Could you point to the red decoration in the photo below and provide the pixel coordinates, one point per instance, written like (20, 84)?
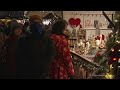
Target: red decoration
(114, 53)
(74, 22)
(77, 22)
(97, 38)
(112, 60)
(98, 53)
(103, 37)
(71, 21)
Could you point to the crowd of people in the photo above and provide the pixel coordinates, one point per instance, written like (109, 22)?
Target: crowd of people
(34, 51)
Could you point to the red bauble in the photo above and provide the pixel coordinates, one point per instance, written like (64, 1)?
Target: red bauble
(114, 53)
(112, 60)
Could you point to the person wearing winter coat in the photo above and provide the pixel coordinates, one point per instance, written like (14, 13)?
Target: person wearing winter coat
(11, 47)
(34, 53)
(61, 67)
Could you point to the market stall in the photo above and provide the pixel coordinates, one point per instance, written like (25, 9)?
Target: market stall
(89, 33)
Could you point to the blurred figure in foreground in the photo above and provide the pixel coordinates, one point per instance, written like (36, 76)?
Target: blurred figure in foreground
(11, 46)
(35, 52)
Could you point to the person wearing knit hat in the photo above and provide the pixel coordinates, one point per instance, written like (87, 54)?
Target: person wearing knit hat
(12, 43)
(35, 18)
(36, 27)
(35, 52)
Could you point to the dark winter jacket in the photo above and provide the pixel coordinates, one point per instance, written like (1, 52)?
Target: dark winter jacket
(34, 55)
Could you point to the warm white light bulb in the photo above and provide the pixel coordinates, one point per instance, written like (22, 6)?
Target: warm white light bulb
(112, 50)
(116, 20)
(46, 22)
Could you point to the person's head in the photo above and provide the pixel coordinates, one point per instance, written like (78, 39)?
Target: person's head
(35, 18)
(59, 27)
(36, 28)
(17, 30)
(36, 25)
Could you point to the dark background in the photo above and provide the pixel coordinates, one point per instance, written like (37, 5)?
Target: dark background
(11, 14)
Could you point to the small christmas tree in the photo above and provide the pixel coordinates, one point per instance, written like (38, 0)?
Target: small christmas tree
(112, 54)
